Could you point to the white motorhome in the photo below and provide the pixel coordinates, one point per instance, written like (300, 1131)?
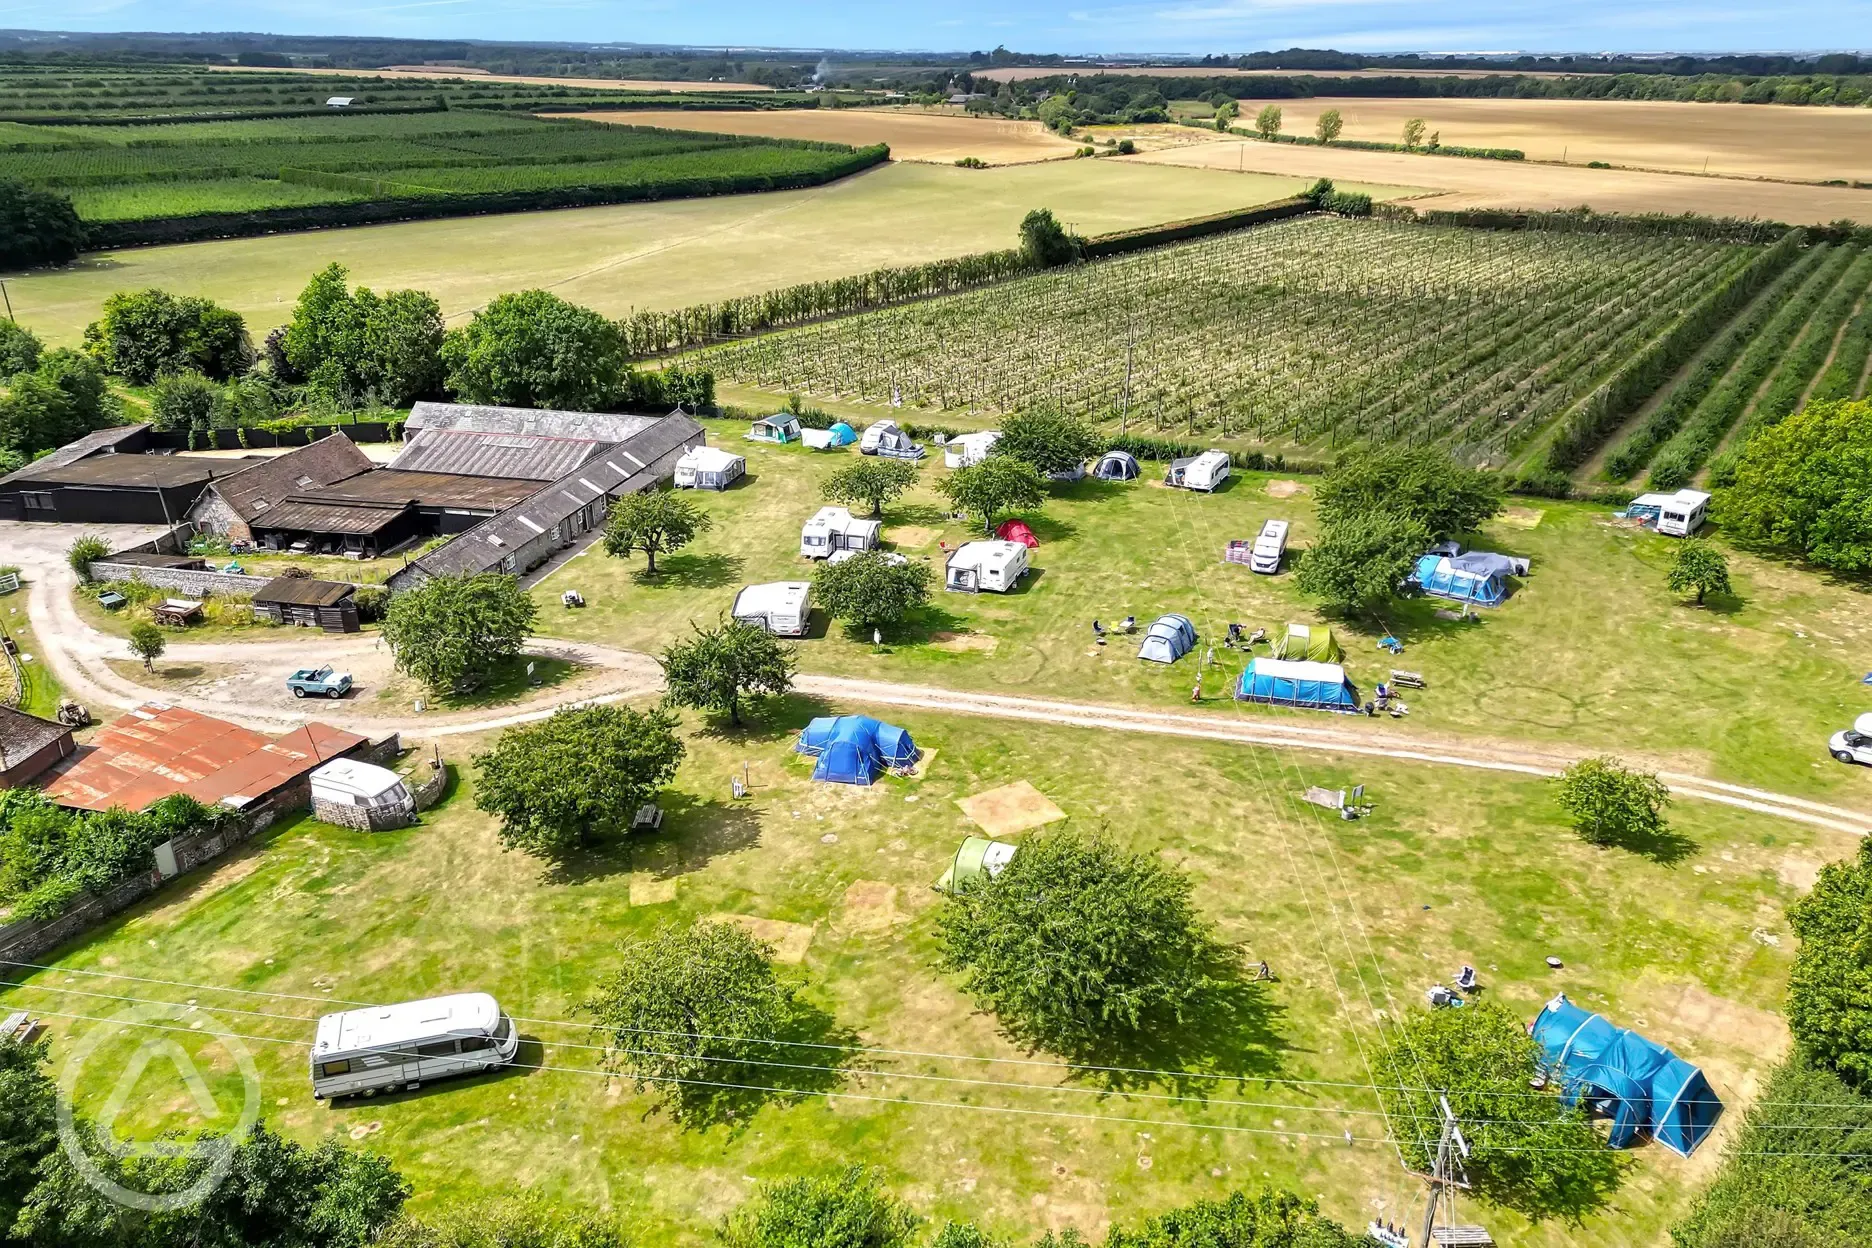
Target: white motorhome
(404, 1046)
(1673, 515)
(783, 608)
(1854, 745)
(1199, 472)
(993, 566)
(834, 529)
(969, 448)
(1269, 546)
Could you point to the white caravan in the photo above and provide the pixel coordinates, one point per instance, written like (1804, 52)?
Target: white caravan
(993, 566)
(969, 448)
(783, 608)
(386, 1047)
(1199, 472)
(834, 529)
(1269, 547)
(1855, 744)
(708, 468)
(1673, 515)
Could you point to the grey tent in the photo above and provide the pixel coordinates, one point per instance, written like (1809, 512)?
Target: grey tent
(1168, 639)
(1116, 466)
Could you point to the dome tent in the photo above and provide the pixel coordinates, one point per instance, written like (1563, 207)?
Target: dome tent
(977, 857)
(852, 749)
(1168, 639)
(1646, 1088)
(1312, 643)
(1116, 466)
(1018, 531)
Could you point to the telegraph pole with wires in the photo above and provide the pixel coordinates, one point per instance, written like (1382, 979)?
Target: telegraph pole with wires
(1446, 1175)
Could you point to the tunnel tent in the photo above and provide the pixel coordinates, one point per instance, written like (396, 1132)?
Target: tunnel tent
(1312, 643)
(1642, 1086)
(1116, 466)
(1461, 578)
(1282, 682)
(1168, 639)
(852, 749)
(977, 858)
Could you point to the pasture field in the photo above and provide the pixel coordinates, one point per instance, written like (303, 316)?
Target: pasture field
(942, 137)
(1302, 336)
(1354, 918)
(1759, 140)
(431, 74)
(1591, 652)
(654, 255)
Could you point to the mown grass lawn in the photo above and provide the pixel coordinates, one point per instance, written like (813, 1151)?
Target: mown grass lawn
(1591, 651)
(1355, 919)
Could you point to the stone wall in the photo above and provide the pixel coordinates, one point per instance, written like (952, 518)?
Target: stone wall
(185, 580)
(428, 791)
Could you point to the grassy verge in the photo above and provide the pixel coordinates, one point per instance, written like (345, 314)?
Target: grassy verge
(509, 683)
(43, 691)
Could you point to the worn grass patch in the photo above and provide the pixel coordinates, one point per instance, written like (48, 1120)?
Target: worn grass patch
(1011, 808)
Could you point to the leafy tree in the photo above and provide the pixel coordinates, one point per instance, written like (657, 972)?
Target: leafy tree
(872, 589)
(1699, 566)
(28, 1122)
(1804, 486)
(1051, 442)
(1413, 132)
(718, 669)
(530, 1220)
(37, 227)
(85, 549)
(1271, 1218)
(183, 401)
(996, 485)
(531, 348)
(655, 522)
(578, 775)
(1045, 242)
(680, 998)
(360, 343)
(1611, 804)
(965, 1235)
(146, 333)
(1225, 115)
(60, 400)
(1056, 112)
(870, 480)
(1357, 562)
(1268, 122)
(850, 1211)
(1829, 1001)
(147, 643)
(1527, 1151)
(1329, 125)
(1423, 483)
(1077, 940)
(19, 349)
(453, 631)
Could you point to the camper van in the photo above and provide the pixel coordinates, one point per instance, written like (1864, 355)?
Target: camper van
(993, 566)
(1269, 547)
(405, 1046)
(783, 608)
(1673, 515)
(834, 529)
(1199, 472)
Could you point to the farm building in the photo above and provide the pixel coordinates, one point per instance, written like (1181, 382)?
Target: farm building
(976, 859)
(994, 566)
(1478, 577)
(518, 443)
(232, 504)
(708, 468)
(969, 448)
(840, 434)
(108, 477)
(781, 427)
(157, 749)
(783, 608)
(1204, 472)
(833, 529)
(1282, 682)
(1168, 639)
(1649, 1089)
(884, 438)
(29, 746)
(853, 749)
(1116, 466)
(308, 603)
(1312, 643)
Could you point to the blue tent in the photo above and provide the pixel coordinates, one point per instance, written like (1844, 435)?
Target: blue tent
(852, 749)
(842, 434)
(1168, 639)
(1473, 578)
(1645, 1087)
(1280, 682)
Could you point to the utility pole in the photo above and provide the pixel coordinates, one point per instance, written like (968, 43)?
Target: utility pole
(9, 301)
(1447, 1173)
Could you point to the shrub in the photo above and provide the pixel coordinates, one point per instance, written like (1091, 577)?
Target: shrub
(19, 349)
(84, 550)
(144, 334)
(37, 227)
(183, 401)
(850, 1211)
(371, 601)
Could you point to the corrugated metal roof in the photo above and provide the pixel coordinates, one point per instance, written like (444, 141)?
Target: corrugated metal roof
(431, 489)
(533, 457)
(329, 516)
(253, 490)
(23, 735)
(131, 471)
(98, 441)
(302, 591)
(541, 421)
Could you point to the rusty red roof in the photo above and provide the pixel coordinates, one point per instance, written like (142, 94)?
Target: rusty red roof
(158, 749)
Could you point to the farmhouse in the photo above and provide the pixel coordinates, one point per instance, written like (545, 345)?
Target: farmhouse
(29, 746)
(107, 477)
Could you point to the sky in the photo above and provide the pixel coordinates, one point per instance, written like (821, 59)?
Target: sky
(1067, 26)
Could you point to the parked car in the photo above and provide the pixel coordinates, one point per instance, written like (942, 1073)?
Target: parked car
(319, 682)
(1854, 745)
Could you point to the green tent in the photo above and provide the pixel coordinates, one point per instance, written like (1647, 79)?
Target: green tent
(979, 858)
(1308, 643)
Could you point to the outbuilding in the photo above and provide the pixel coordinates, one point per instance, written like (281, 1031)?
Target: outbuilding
(783, 608)
(1313, 686)
(29, 746)
(1204, 472)
(708, 468)
(1168, 639)
(996, 567)
(833, 529)
(1116, 466)
(356, 794)
(966, 449)
(308, 603)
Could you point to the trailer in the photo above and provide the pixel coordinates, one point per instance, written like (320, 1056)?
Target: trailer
(995, 566)
(1204, 472)
(783, 608)
(833, 529)
(1269, 546)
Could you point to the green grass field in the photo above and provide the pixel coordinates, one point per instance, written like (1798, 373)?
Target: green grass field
(1591, 651)
(1354, 918)
(655, 255)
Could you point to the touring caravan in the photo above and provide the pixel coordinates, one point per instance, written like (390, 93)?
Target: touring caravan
(1199, 472)
(1673, 515)
(783, 608)
(708, 468)
(834, 529)
(1269, 546)
(993, 566)
(969, 448)
(387, 1047)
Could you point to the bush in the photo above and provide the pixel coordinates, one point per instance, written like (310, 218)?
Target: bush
(19, 349)
(183, 401)
(1045, 242)
(1272, 1218)
(37, 227)
(850, 1211)
(84, 550)
(371, 602)
(144, 334)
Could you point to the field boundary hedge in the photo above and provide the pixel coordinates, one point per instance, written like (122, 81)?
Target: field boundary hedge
(170, 119)
(1103, 245)
(1374, 145)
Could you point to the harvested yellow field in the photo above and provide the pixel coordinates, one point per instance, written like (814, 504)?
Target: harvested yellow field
(443, 71)
(1467, 183)
(1740, 140)
(940, 138)
(1019, 73)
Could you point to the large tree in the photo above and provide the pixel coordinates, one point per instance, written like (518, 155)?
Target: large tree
(64, 397)
(20, 349)
(718, 669)
(1699, 566)
(533, 349)
(851, 1210)
(1052, 443)
(872, 589)
(678, 1005)
(869, 480)
(1077, 941)
(1268, 122)
(1612, 804)
(36, 227)
(1829, 1001)
(1357, 563)
(453, 631)
(359, 344)
(1527, 1150)
(1045, 242)
(576, 776)
(1804, 486)
(28, 1123)
(1328, 125)
(1423, 483)
(654, 522)
(146, 333)
(1271, 1218)
(993, 487)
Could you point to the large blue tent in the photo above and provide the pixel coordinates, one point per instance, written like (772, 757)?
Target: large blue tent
(1478, 577)
(1646, 1088)
(1280, 682)
(852, 749)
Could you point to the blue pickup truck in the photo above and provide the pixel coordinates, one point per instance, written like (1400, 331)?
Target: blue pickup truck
(319, 682)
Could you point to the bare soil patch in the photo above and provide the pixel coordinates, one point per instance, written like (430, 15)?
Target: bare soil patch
(910, 536)
(1284, 489)
(651, 892)
(917, 136)
(1010, 808)
(962, 643)
(789, 940)
(870, 906)
(1799, 872)
(1521, 517)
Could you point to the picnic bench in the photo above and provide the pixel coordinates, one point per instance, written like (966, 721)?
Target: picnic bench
(1461, 1237)
(649, 817)
(1407, 680)
(19, 1028)
(178, 612)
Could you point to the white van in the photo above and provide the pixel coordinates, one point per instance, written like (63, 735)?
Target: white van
(1269, 547)
(783, 608)
(993, 566)
(404, 1046)
(1854, 745)
(1199, 472)
(834, 529)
